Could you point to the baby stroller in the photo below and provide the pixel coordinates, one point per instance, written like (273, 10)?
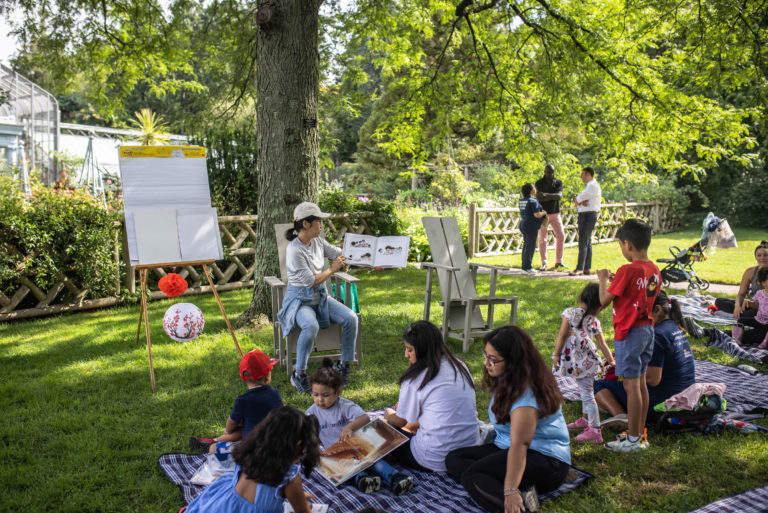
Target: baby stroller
(680, 267)
(716, 233)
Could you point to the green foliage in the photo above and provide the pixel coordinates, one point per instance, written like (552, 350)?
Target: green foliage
(384, 221)
(411, 217)
(57, 233)
(451, 188)
(231, 160)
(153, 129)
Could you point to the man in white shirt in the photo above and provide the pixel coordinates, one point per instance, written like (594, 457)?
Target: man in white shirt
(588, 207)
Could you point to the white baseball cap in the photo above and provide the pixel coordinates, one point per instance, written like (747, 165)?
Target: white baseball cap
(306, 209)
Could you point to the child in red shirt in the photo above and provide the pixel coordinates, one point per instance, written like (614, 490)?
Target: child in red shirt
(632, 291)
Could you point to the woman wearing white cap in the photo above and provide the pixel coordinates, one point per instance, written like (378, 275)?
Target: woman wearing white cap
(306, 304)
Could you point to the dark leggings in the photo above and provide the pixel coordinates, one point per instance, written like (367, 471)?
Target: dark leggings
(727, 305)
(481, 471)
(756, 334)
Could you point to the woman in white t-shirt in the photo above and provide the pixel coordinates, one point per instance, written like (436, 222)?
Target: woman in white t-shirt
(437, 401)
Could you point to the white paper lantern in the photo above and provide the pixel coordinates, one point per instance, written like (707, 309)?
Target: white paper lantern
(183, 322)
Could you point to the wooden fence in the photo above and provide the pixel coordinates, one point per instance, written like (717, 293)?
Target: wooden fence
(236, 271)
(496, 231)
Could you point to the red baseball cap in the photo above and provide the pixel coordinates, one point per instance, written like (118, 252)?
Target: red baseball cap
(255, 365)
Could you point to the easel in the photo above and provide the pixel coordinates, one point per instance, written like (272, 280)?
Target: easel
(144, 276)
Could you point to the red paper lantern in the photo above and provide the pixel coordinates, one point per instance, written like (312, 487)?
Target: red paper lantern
(172, 284)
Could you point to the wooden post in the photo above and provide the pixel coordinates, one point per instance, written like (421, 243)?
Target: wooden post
(471, 229)
(130, 276)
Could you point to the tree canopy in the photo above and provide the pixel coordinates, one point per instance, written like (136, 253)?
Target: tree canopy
(633, 85)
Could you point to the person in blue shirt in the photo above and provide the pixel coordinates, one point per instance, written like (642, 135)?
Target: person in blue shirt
(269, 461)
(531, 451)
(531, 214)
(671, 369)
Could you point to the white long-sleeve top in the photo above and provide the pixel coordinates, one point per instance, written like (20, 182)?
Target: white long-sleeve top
(591, 193)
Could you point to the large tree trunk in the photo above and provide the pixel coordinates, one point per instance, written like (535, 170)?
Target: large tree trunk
(287, 89)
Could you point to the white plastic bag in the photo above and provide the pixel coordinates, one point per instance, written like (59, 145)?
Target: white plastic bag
(212, 469)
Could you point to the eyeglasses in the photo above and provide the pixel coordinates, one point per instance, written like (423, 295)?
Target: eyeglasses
(491, 362)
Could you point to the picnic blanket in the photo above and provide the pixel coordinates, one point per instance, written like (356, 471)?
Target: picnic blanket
(725, 343)
(438, 490)
(696, 307)
(751, 501)
(745, 393)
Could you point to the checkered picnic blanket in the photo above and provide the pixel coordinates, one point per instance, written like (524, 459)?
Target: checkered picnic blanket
(725, 343)
(696, 307)
(438, 490)
(745, 393)
(751, 501)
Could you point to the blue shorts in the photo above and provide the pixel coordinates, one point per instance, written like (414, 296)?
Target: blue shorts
(634, 352)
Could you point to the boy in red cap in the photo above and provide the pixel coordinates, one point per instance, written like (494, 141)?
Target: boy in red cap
(251, 407)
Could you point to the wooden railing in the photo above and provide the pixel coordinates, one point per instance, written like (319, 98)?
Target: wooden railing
(496, 231)
(238, 238)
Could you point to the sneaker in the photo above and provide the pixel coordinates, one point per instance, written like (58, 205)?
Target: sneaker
(616, 422)
(626, 445)
(369, 484)
(580, 423)
(643, 438)
(343, 369)
(530, 499)
(401, 484)
(559, 267)
(543, 267)
(301, 382)
(530, 271)
(200, 444)
(590, 434)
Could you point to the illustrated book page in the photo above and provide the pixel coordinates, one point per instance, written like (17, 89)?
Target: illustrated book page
(370, 251)
(365, 447)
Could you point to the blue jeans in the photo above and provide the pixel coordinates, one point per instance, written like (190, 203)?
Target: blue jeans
(306, 318)
(586, 223)
(380, 468)
(530, 232)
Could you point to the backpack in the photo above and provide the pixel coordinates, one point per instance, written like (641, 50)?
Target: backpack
(697, 419)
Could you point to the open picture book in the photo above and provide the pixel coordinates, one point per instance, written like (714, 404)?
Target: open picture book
(370, 251)
(365, 447)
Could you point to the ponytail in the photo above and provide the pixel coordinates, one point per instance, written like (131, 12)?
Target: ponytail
(671, 308)
(298, 225)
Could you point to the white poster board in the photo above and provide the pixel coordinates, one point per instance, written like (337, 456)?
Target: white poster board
(167, 200)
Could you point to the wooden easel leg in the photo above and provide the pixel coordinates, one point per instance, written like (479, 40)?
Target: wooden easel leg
(221, 307)
(141, 310)
(144, 276)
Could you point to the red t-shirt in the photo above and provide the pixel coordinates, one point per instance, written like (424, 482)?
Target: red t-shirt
(635, 286)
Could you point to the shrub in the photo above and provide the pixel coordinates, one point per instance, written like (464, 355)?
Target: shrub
(384, 220)
(56, 233)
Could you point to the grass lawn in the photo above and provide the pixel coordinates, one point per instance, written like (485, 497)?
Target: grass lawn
(724, 266)
(81, 430)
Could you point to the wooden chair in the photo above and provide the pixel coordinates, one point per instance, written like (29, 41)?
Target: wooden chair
(328, 339)
(462, 318)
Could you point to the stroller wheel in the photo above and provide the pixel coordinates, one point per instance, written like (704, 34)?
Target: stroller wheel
(704, 285)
